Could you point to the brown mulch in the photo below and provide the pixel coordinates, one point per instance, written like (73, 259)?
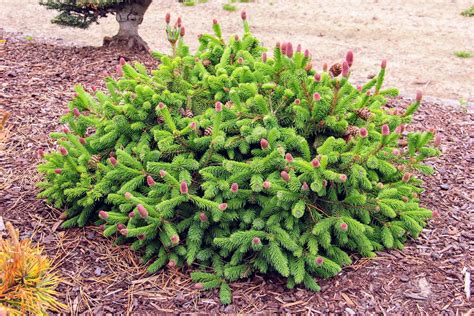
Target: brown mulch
(36, 80)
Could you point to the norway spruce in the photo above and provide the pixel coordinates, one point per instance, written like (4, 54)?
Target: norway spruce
(241, 162)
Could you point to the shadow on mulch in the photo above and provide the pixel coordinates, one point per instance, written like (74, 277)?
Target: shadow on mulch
(427, 277)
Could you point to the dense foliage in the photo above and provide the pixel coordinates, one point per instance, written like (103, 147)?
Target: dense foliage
(241, 162)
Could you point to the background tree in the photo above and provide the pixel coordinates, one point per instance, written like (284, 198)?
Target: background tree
(82, 13)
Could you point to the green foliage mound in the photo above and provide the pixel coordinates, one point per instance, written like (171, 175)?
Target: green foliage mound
(241, 163)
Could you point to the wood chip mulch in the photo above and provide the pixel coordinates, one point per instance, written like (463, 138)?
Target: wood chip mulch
(428, 276)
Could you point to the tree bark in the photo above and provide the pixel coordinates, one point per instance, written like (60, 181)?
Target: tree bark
(129, 17)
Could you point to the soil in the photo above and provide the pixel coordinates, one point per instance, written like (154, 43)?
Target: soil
(418, 38)
(36, 80)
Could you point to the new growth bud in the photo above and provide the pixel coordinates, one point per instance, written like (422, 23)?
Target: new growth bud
(304, 186)
(174, 239)
(82, 140)
(289, 50)
(297, 101)
(218, 106)
(298, 48)
(183, 188)
(349, 58)
(317, 77)
(383, 64)
(63, 151)
(122, 61)
(104, 215)
(285, 176)
(142, 211)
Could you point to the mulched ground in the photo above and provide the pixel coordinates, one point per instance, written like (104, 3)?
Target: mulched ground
(36, 80)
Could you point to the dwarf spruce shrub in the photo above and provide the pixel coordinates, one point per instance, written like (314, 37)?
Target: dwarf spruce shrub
(240, 162)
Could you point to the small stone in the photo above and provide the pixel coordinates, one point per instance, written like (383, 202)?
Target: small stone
(444, 186)
(98, 271)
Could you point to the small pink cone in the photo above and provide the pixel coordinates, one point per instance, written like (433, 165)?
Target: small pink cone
(285, 176)
(182, 31)
(306, 53)
(150, 181)
(419, 95)
(119, 70)
(103, 214)
(288, 157)
(41, 153)
(315, 163)
(174, 239)
(171, 263)
(264, 57)
(344, 227)
(183, 188)
(66, 130)
(82, 140)
(343, 177)
(120, 226)
(223, 206)
(406, 177)
(122, 61)
(131, 214)
(266, 184)
(234, 187)
(256, 241)
(218, 106)
(63, 151)
(128, 195)
(345, 69)
(113, 161)
(142, 211)
(289, 50)
(385, 130)
(203, 217)
(297, 101)
(319, 261)
(298, 48)
(161, 105)
(317, 77)
(263, 143)
(198, 286)
(58, 171)
(316, 96)
(363, 132)
(162, 173)
(395, 152)
(437, 140)
(350, 58)
(383, 64)
(76, 112)
(243, 15)
(168, 18)
(283, 48)
(304, 186)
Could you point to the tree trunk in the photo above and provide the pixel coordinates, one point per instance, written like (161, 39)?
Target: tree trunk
(129, 17)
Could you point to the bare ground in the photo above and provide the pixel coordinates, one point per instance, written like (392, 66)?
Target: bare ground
(418, 38)
(427, 277)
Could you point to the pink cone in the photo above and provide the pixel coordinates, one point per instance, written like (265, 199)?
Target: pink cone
(267, 184)
(57, 171)
(363, 132)
(234, 187)
(203, 217)
(344, 227)
(182, 31)
(162, 173)
(317, 77)
(161, 105)
(119, 70)
(256, 241)
(315, 163)
(122, 61)
(283, 48)
(192, 125)
(316, 96)
(306, 53)
(183, 188)
(298, 48)
(385, 130)
(304, 187)
(171, 263)
(150, 181)
(168, 18)
(437, 140)
(223, 206)
(406, 177)
(297, 101)
(350, 58)
(264, 57)
(41, 153)
(76, 112)
(263, 143)
(63, 151)
(120, 226)
(113, 161)
(319, 261)
(128, 195)
(343, 177)
(243, 15)
(383, 64)
(82, 140)
(419, 95)
(131, 214)
(289, 157)
(289, 50)
(345, 69)
(142, 211)
(285, 176)
(396, 152)
(66, 130)
(174, 239)
(103, 214)
(218, 106)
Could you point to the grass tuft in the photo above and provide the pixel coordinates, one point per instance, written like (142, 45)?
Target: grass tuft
(463, 54)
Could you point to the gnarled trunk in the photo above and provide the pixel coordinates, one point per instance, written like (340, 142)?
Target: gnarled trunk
(129, 17)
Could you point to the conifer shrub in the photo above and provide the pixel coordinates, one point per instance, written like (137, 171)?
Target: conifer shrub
(240, 162)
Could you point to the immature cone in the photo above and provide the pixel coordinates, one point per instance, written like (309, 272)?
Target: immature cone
(304, 187)
(122, 61)
(128, 195)
(76, 112)
(363, 132)
(131, 214)
(315, 163)
(223, 206)
(240, 60)
(66, 129)
(124, 232)
(57, 171)
(325, 67)
(343, 177)
(395, 152)
(218, 106)
(182, 31)
(405, 199)
(192, 125)
(94, 88)
(385, 130)
(288, 157)
(168, 18)
(267, 184)
(398, 129)
(263, 143)
(120, 226)
(256, 241)
(119, 70)
(306, 53)
(345, 69)
(283, 48)
(214, 21)
(359, 88)
(437, 140)
(243, 15)
(41, 153)
(141, 236)
(336, 69)
(264, 57)
(350, 58)
(406, 177)
(103, 214)
(319, 261)
(383, 64)
(150, 181)
(297, 101)
(234, 187)
(82, 140)
(161, 105)
(171, 263)
(198, 286)
(317, 77)
(63, 151)
(179, 22)
(343, 226)
(162, 173)
(203, 217)
(298, 48)
(419, 95)
(142, 211)
(316, 96)
(285, 176)
(289, 50)
(364, 113)
(183, 188)
(113, 161)
(174, 239)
